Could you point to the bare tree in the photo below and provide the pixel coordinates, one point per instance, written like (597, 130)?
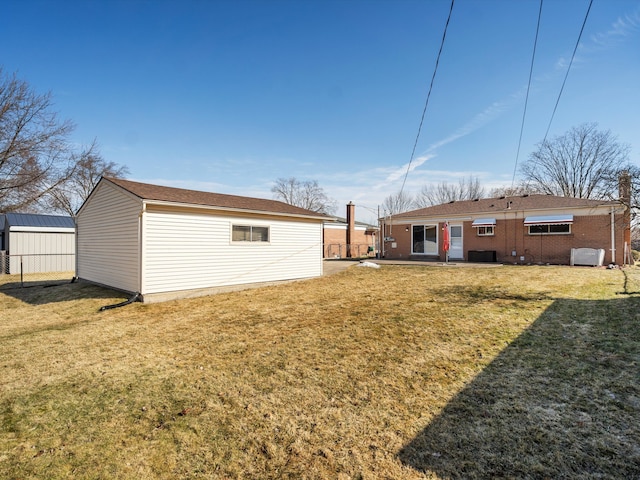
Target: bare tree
(578, 164)
(443, 192)
(305, 194)
(397, 203)
(517, 190)
(89, 167)
(39, 168)
(34, 152)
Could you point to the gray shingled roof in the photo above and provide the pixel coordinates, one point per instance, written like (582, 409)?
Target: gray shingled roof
(193, 197)
(34, 220)
(489, 206)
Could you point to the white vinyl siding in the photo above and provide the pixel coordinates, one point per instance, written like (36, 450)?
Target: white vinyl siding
(107, 229)
(192, 250)
(42, 251)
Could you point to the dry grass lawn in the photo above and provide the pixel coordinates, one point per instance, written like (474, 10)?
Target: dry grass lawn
(400, 373)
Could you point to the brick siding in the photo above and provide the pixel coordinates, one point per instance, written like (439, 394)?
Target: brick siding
(511, 235)
(335, 243)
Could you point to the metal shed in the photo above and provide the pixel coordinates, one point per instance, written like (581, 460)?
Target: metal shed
(37, 243)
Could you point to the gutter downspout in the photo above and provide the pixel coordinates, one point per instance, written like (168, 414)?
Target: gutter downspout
(75, 240)
(383, 233)
(141, 286)
(613, 237)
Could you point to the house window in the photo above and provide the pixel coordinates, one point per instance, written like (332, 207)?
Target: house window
(549, 224)
(424, 239)
(560, 229)
(249, 233)
(484, 226)
(486, 231)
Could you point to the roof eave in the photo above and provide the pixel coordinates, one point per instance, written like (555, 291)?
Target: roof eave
(486, 213)
(165, 203)
(26, 228)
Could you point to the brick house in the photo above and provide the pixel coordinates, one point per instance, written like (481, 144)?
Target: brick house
(520, 229)
(347, 238)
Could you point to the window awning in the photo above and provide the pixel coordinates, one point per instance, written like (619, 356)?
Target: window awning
(483, 222)
(549, 220)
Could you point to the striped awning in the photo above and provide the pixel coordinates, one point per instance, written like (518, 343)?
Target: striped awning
(483, 222)
(549, 220)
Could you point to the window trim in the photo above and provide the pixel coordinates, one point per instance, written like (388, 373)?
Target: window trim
(482, 231)
(433, 226)
(548, 229)
(251, 240)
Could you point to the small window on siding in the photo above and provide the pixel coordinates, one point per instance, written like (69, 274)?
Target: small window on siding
(249, 233)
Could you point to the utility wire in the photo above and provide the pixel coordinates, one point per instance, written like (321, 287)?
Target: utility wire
(424, 111)
(568, 69)
(526, 100)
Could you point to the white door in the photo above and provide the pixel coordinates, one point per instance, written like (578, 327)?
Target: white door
(455, 246)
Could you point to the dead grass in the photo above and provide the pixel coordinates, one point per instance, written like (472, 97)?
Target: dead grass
(401, 372)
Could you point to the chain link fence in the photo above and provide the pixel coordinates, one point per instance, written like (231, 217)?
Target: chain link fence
(343, 250)
(19, 271)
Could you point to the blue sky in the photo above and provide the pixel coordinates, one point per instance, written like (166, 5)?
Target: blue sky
(228, 96)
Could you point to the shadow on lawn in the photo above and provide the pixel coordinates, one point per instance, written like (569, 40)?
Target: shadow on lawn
(561, 401)
(42, 293)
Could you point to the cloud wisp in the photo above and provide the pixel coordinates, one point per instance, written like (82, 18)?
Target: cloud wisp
(623, 28)
(478, 121)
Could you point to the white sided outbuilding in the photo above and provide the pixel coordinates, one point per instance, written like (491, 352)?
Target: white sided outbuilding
(163, 243)
(33, 243)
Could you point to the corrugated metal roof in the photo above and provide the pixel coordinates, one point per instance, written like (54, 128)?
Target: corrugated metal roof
(193, 197)
(34, 220)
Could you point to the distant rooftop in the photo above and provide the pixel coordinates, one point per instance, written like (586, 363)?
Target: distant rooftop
(344, 220)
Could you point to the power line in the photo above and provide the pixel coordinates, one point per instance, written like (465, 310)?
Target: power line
(526, 100)
(568, 69)
(444, 35)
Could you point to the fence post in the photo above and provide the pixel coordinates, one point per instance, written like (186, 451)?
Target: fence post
(21, 276)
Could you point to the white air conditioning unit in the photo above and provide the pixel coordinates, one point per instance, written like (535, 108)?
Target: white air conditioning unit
(593, 257)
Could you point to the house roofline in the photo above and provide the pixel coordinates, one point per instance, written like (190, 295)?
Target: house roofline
(164, 203)
(304, 214)
(604, 208)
